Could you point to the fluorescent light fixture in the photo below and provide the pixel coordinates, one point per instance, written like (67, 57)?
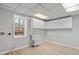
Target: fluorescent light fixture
(70, 7)
(40, 16)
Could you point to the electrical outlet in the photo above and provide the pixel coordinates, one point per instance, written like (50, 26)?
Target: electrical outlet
(1, 33)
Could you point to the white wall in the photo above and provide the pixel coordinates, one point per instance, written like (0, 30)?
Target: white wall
(60, 23)
(66, 36)
(61, 34)
(75, 30)
(38, 23)
(6, 25)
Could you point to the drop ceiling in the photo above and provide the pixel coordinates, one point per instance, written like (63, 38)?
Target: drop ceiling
(51, 10)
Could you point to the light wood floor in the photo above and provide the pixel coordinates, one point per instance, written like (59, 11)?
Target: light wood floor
(45, 49)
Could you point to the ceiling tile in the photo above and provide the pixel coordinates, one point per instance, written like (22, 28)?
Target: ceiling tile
(50, 5)
(22, 10)
(5, 7)
(59, 11)
(29, 5)
(11, 5)
(43, 11)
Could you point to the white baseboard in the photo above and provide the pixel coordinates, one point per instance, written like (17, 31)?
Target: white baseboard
(41, 41)
(62, 44)
(3, 52)
(20, 47)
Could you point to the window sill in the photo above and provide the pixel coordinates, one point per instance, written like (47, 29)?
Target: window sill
(19, 37)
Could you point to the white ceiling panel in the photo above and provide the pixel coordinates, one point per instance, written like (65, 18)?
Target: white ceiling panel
(59, 11)
(10, 5)
(6, 7)
(22, 10)
(29, 5)
(48, 13)
(43, 11)
(35, 10)
(50, 5)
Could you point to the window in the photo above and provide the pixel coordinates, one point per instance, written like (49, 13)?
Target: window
(70, 7)
(19, 26)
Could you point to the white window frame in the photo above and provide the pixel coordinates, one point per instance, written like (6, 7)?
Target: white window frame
(25, 26)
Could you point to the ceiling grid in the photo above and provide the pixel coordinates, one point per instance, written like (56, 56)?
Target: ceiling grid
(51, 10)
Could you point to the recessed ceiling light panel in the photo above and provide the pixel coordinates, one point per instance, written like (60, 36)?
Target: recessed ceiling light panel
(41, 16)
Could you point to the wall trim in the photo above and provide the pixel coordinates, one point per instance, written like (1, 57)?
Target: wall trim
(3, 52)
(40, 42)
(62, 44)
